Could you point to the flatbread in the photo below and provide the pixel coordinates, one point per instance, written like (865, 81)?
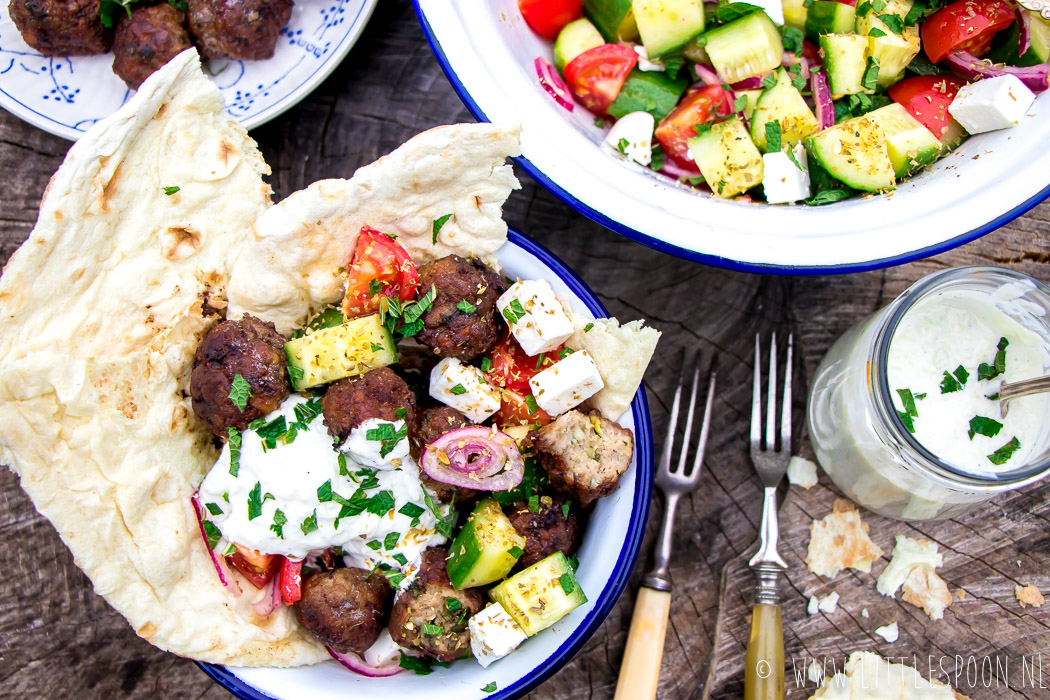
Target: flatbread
(295, 260)
(840, 541)
(868, 676)
(621, 352)
(100, 313)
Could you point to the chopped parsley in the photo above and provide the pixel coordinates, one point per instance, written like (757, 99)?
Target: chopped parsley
(452, 604)
(390, 541)
(309, 524)
(324, 492)
(466, 307)
(458, 390)
(411, 510)
(741, 103)
(566, 583)
(375, 287)
(514, 311)
(1005, 452)
(702, 128)
(295, 373)
(565, 510)
(998, 366)
(306, 412)
(444, 522)
(534, 503)
(278, 523)
(400, 558)
(387, 437)
(773, 143)
(381, 503)
(622, 145)
(792, 38)
(979, 425)
(438, 223)
(574, 562)
(343, 471)
(895, 23)
(270, 432)
(490, 688)
(871, 74)
(908, 401)
(375, 545)
(993, 397)
(515, 551)
(588, 327)
(949, 384)
(240, 392)
(530, 402)
(908, 421)
(255, 501)
(729, 11)
(213, 508)
(876, 32)
(432, 630)
(171, 190)
(421, 666)
(657, 161)
(235, 450)
(769, 81)
(405, 319)
(486, 364)
(212, 533)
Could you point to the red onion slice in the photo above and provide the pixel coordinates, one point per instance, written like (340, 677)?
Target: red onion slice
(553, 84)
(474, 458)
(825, 110)
(1024, 36)
(707, 75)
(791, 59)
(225, 575)
(358, 665)
(749, 83)
(673, 169)
(272, 601)
(1037, 78)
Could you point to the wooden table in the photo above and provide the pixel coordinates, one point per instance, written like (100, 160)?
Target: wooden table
(58, 639)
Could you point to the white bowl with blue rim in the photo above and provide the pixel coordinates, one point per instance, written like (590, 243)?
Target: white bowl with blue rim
(608, 550)
(65, 96)
(487, 52)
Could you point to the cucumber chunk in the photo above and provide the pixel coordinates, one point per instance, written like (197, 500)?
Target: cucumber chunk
(911, 146)
(613, 18)
(845, 60)
(665, 26)
(575, 38)
(855, 153)
(795, 12)
(486, 548)
(745, 47)
(783, 103)
(827, 17)
(648, 91)
(1007, 43)
(540, 595)
(893, 51)
(347, 350)
(727, 158)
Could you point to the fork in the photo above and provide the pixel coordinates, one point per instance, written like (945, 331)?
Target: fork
(640, 670)
(764, 664)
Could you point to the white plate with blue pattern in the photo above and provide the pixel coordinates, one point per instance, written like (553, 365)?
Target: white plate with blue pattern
(67, 95)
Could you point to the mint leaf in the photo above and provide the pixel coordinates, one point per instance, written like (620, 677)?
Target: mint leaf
(438, 223)
(1005, 452)
(773, 136)
(240, 392)
(979, 425)
(235, 450)
(255, 501)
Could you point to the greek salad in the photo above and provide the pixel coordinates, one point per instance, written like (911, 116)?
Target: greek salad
(788, 101)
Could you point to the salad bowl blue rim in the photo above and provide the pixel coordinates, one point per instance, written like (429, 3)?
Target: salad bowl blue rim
(636, 530)
(696, 256)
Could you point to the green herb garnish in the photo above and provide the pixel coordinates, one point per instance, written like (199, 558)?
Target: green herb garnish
(255, 501)
(769, 81)
(466, 307)
(515, 551)
(588, 327)
(374, 545)
(240, 392)
(950, 384)
(998, 366)
(452, 604)
(418, 665)
(490, 688)
(381, 503)
(432, 630)
(400, 559)
(171, 190)
(909, 423)
(438, 223)
(1005, 452)
(390, 541)
(657, 161)
(566, 583)
(458, 390)
(979, 425)
(212, 533)
(486, 364)
(908, 401)
(278, 523)
(530, 402)
(565, 510)
(871, 74)
(534, 503)
(622, 145)
(875, 31)
(213, 508)
(411, 510)
(235, 450)
(309, 524)
(773, 136)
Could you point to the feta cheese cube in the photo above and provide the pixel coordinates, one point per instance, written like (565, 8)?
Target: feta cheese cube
(493, 634)
(636, 130)
(773, 8)
(464, 388)
(567, 383)
(783, 180)
(537, 320)
(992, 103)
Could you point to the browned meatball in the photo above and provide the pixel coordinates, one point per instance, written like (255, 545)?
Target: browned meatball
(151, 37)
(546, 531)
(251, 348)
(432, 424)
(425, 603)
(239, 29)
(447, 329)
(345, 609)
(61, 27)
(378, 393)
(584, 454)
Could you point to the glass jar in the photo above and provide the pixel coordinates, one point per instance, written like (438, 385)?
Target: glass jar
(860, 439)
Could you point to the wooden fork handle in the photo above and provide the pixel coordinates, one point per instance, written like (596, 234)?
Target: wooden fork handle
(764, 664)
(640, 670)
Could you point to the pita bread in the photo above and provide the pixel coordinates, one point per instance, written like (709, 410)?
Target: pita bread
(1029, 596)
(621, 352)
(868, 676)
(840, 541)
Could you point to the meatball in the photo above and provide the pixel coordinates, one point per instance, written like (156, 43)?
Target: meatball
(584, 454)
(151, 37)
(61, 27)
(425, 604)
(447, 329)
(345, 609)
(251, 348)
(378, 393)
(552, 528)
(432, 424)
(239, 29)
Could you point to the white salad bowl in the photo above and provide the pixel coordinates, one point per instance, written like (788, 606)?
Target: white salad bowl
(487, 51)
(608, 550)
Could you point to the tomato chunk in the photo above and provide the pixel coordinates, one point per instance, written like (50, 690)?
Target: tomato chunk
(380, 267)
(596, 76)
(291, 581)
(547, 17)
(255, 566)
(678, 127)
(966, 25)
(926, 97)
(517, 409)
(512, 368)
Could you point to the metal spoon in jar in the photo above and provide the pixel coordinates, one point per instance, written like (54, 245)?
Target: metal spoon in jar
(1015, 390)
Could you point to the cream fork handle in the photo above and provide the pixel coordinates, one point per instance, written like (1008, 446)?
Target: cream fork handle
(640, 670)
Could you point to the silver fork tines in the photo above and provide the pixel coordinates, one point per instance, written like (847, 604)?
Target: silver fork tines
(771, 464)
(676, 480)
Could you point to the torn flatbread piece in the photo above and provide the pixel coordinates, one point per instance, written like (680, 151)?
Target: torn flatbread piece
(911, 567)
(1029, 596)
(621, 352)
(840, 541)
(868, 676)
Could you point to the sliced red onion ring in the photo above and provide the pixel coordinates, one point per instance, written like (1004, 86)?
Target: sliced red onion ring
(673, 169)
(474, 458)
(825, 110)
(272, 601)
(553, 84)
(791, 59)
(225, 575)
(358, 665)
(749, 83)
(1037, 78)
(707, 75)
(1024, 36)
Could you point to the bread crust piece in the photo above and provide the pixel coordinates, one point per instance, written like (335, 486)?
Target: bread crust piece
(584, 454)
(840, 541)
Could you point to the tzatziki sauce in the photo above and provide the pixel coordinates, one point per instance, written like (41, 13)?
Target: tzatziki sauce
(297, 494)
(946, 362)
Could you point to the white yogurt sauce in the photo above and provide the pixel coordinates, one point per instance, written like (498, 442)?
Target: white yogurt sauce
(962, 328)
(288, 477)
(369, 452)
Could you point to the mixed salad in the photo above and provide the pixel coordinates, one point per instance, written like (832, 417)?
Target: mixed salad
(349, 448)
(792, 100)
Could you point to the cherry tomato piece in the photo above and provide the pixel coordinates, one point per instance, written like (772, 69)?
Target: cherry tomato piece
(674, 132)
(595, 77)
(380, 267)
(291, 581)
(966, 25)
(512, 368)
(255, 566)
(926, 97)
(515, 410)
(547, 17)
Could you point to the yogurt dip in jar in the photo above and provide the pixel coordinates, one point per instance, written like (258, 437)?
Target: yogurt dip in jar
(903, 412)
